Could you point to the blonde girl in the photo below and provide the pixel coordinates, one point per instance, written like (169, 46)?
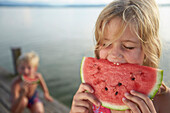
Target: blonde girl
(127, 31)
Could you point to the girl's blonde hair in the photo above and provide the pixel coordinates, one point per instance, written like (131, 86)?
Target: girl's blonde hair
(31, 58)
(142, 16)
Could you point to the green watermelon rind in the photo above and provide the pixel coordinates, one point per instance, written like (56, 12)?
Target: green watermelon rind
(34, 82)
(159, 79)
(124, 107)
(115, 107)
(81, 69)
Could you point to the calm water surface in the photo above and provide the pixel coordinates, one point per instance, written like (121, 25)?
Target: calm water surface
(61, 37)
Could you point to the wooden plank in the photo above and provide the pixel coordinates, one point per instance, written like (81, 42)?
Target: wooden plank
(5, 99)
(54, 107)
(3, 109)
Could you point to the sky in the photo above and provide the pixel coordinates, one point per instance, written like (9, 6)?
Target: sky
(79, 1)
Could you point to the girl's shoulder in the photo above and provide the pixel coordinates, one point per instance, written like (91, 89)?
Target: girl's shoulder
(15, 84)
(16, 80)
(38, 75)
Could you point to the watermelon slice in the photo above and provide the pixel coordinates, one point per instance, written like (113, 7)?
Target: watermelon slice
(29, 80)
(111, 80)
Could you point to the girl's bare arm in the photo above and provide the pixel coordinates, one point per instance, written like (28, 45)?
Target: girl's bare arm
(45, 89)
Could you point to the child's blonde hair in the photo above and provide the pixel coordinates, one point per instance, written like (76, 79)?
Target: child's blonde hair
(31, 58)
(142, 16)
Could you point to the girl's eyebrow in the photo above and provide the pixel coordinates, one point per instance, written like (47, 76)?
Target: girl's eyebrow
(132, 41)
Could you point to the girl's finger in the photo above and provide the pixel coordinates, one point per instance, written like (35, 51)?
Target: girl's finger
(131, 105)
(128, 111)
(80, 109)
(82, 103)
(85, 87)
(146, 99)
(88, 96)
(142, 105)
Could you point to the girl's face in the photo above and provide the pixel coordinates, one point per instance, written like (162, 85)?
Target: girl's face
(126, 49)
(26, 69)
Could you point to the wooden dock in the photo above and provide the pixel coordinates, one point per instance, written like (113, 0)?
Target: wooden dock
(5, 82)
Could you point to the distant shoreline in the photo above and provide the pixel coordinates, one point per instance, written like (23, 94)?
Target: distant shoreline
(12, 4)
(22, 4)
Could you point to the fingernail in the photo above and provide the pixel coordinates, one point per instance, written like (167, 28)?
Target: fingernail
(132, 91)
(99, 104)
(126, 94)
(123, 98)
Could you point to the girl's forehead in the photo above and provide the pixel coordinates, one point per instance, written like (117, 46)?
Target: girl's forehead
(24, 63)
(115, 30)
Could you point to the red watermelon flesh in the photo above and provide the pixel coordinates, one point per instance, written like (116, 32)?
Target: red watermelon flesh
(29, 80)
(111, 80)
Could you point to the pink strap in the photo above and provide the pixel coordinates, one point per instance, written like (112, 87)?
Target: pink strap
(100, 109)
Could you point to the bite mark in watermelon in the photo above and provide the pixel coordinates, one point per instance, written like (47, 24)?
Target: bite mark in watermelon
(29, 80)
(110, 81)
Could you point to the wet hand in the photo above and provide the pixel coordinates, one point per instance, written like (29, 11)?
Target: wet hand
(138, 103)
(83, 99)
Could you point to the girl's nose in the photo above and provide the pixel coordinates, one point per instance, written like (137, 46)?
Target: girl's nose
(116, 52)
(26, 70)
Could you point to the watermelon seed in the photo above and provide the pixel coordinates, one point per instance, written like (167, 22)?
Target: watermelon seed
(119, 84)
(95, 65)
(133, 78)
(106, 88)
(116, 93)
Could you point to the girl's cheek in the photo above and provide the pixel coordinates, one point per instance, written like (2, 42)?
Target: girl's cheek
(136, 57)
(103, 53)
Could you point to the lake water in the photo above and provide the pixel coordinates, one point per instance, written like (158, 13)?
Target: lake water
(61, 37)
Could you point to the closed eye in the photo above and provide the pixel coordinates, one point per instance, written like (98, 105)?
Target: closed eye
(128, 47)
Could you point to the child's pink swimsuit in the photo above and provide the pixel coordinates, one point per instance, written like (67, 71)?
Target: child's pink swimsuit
(100, 109)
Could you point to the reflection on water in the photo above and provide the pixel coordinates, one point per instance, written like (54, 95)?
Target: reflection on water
(61, 37)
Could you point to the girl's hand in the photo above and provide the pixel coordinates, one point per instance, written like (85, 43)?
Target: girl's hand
(24, 88)
(83, 99)
(138, 103)
(48, 97)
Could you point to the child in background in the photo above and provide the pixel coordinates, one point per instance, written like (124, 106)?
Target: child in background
(24, 94)
(127, 31)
